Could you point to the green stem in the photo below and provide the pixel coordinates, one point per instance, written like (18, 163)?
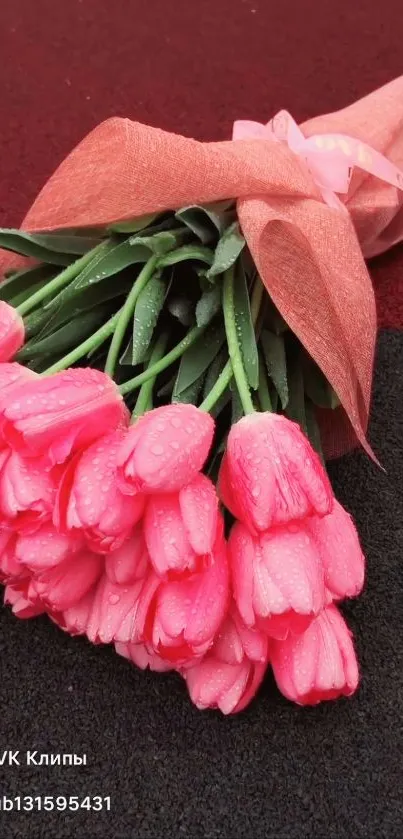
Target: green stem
(218, 389)
(226, 374)
(126, 313)
(145, 394)
(232, 341)
(58, 282)
(165, 362)
(87, 346)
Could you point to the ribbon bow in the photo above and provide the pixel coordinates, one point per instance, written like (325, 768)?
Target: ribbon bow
(330, 158)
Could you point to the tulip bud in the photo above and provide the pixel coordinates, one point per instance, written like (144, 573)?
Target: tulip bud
(319, 664)
(277, 578)
(90, 499)
(165, 449)
(12, 331)
(57, 415)
(270, 474)
(179, 528)
(231, 672)
(336, 539)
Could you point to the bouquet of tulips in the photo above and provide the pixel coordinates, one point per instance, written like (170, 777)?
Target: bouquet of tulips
(166, 404)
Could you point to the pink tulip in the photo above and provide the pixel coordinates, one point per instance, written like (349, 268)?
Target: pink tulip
(142, 657)
(130, 561)
(63, 585)
(319, 664)
(231, 672)
(90, 500)
(180, 528)
(46, 548)
(343, 562)
(23, 599)
(165, 449)
(10, 566)
(57, 415)
(12, 332)
(109, 610)
(270, 474)
(183, 616)
(277, 578)
(27, 490)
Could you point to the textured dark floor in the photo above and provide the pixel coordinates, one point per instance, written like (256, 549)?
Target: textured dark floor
(276, 771)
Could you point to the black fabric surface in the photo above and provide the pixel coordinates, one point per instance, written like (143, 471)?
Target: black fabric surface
(274, 772)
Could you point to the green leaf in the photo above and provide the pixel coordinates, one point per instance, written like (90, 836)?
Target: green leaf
(237, 411)
(204, 223)
(276, 363)
(111, 259)
(64, 339)
(146, 313)
(273, 318)
(316, 385)
(21, 284)
(208, 305)
(182, 309)
(227, 251)
(295, 409)
(186, 253)
(245, 329)
(199, 356)
(133, 225)
(313, 429)
(189, 394)
(54, 248)
(158, 244)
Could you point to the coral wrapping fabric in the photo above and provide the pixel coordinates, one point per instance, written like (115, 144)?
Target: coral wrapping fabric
(309, 255)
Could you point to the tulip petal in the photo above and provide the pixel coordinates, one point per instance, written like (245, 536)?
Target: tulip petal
(12, 331)
(45, 548)
(337, 541)
(54, 415)
(166, 538)
(167, 450)
(63, 585)
(129, 562)
(199, 508)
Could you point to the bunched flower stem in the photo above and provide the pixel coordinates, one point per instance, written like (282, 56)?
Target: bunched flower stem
(126, 314)
(58, 282)
(227, 373)
(165, 362)
(144, 399)
(232, 341)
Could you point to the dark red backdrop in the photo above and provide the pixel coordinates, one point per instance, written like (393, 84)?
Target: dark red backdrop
(187, 66)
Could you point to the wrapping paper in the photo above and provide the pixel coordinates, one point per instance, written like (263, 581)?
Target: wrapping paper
(310, 255)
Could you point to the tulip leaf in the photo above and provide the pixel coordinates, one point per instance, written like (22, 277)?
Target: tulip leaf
(208, 305)
(245, 329)
(227, 251)
(182, 309)
(65, 338)
(20, 284)
(158, 244)
(273, 319)
(312, 428)
(186, 253)
(317, 387)
(276, 363)
(54, 248)
(204, 223)
(295, 409)
(133, 225)
(146, 314)
(191, 393)
(199, 356)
